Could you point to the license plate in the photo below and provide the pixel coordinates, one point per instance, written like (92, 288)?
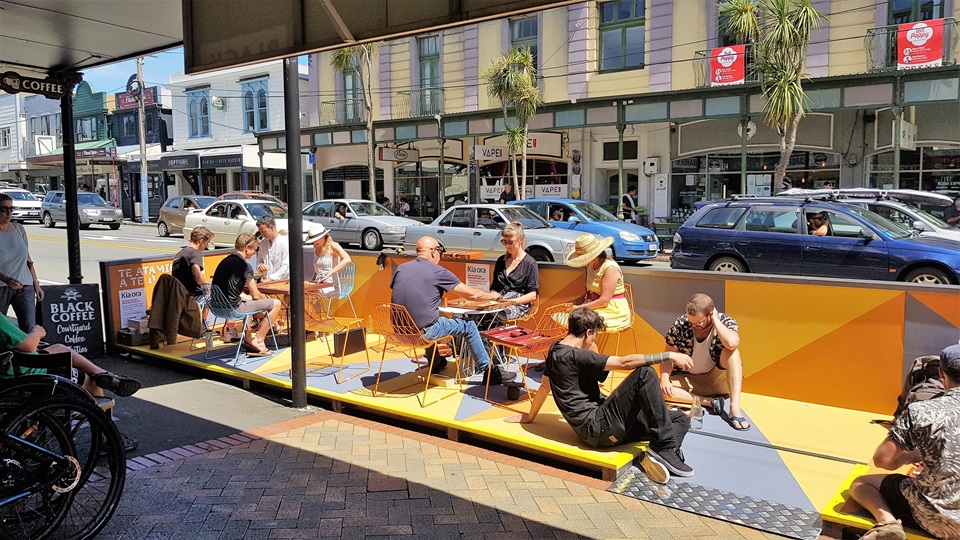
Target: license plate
(107, 219)
(653, 246)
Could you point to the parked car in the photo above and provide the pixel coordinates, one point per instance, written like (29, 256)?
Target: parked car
(228, 219)
(250, 194)
(904, 207)
(476, 227)
(174, 212)
(366, 223)
(26, 207)
(91, 208)
(631, 242)
(771, 236)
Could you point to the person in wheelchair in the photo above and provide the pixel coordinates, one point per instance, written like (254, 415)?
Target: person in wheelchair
(94, 378)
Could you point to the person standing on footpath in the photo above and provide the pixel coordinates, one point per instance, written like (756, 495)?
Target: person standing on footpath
(19, 285)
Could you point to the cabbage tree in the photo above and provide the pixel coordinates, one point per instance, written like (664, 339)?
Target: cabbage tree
(359, 58)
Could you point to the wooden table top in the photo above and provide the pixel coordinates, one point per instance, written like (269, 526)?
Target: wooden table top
(477, 305)
(282, 286)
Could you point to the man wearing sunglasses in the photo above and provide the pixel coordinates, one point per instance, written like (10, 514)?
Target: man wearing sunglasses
(818, 223)
(419, 286)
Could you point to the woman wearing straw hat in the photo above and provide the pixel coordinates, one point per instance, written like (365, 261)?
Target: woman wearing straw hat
(605, 291)
(330, 258)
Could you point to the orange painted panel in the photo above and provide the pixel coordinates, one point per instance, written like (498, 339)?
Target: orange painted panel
(857, 366)
(946, 305)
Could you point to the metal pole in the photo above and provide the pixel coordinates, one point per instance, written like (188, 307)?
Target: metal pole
(144, 184)
(441, 169)
(70, 184)
(897, 127)
(291, 110)
(744, 124)
(620, 127)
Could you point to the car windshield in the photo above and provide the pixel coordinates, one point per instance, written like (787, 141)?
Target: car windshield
(930, 217)
(528, 219)
(21, 195)
(89, 198)
(594, 212)
(879, 222)
(258, 210)
(205, 201)
(368, 208)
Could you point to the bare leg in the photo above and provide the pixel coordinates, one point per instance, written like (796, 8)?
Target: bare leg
(866, 491)
(83, 365)
(263, 328)
(730, 361)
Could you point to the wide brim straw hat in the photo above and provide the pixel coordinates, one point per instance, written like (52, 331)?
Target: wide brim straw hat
(315, 233)
(586, 249)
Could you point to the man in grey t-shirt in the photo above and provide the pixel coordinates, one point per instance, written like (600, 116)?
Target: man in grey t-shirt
(419, 286)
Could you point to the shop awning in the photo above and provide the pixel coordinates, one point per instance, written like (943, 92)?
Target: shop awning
(103, 149)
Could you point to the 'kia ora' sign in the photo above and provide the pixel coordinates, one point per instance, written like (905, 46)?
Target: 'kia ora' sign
(12, 82)
(920, 44)
(727, 65)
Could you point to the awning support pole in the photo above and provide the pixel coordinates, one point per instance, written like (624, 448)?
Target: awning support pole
(70, 182)
(298, 344)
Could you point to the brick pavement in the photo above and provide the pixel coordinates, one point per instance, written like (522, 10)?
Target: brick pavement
(329, 475)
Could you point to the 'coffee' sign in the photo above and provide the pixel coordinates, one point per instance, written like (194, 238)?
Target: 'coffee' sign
(14, 83)
(71, 316)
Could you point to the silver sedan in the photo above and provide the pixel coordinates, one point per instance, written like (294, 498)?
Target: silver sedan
(359, 221)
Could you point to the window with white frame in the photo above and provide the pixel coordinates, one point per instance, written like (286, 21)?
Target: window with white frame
(524, 33)
(5, 137)
(255, 117)
(198, 113)
(86, 129)
(622, 29)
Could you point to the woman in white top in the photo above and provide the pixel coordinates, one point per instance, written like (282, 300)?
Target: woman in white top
(329, 259)
(19, 285)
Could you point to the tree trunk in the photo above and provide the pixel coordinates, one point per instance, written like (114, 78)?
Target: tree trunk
(788, 139)
(368, 107)
(522, 193)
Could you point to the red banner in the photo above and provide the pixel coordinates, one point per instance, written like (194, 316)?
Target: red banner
(920, 44)
(727, 65)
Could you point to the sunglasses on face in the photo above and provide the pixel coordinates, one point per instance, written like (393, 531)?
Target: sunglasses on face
(439, 249)
(6, 209)
(506, 242)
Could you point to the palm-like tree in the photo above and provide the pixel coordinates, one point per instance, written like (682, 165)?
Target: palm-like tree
(359, 58)
(779, 31)
(512, 79)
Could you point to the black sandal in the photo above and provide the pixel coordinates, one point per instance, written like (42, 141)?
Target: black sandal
(121, 386)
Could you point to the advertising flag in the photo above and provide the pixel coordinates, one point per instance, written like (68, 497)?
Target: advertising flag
(920, 44)
(727, 65)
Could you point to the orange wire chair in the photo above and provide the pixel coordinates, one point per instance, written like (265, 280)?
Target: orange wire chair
(399, 331)
(628, 294)
(318, 319)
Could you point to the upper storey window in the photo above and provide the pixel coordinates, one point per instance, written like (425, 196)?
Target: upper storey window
(622, 34)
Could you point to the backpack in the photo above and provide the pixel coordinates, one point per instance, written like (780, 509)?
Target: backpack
(921, 383)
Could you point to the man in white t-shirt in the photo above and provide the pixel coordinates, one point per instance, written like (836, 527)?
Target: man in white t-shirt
(629, 205)
(712, 339)
(273, 255)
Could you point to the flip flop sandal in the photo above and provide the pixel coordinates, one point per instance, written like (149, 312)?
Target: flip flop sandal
(121, 386)
(740, 420)
(266, 352)
(886, 530)
(717, 405)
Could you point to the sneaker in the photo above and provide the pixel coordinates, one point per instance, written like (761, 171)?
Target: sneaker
(498, 375)
(672, 459)
(655, 470)
(439, 364)
(121, 386)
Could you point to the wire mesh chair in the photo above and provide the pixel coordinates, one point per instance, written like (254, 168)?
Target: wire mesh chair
(605, 335)
(204, 302)
(223, 309)
(318, 319)
(399, 330)
(344, 282)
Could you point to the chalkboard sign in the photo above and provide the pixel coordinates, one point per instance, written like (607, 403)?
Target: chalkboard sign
(72, 316)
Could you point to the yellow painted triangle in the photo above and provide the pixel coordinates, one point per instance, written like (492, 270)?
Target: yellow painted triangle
(777, 319)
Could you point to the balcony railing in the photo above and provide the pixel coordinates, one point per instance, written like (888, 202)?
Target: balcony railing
(420, 102)
(881, 46)
(701, 66)
(342, 111)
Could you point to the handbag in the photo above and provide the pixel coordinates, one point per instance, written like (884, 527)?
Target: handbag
(355, 340)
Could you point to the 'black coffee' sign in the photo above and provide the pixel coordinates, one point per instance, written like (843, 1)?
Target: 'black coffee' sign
(72, 316)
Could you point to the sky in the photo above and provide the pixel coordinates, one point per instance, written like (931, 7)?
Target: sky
(157, 68)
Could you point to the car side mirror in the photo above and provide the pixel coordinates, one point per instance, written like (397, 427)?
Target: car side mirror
(919, 226)
(573, 219)
(866, 234)
(350, 215)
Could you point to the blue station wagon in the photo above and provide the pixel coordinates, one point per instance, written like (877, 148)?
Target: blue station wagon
(631, 242)
(772, 236)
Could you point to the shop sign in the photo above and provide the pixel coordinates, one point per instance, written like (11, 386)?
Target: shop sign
(385, 153)
(92, 153)
(920, 44)
(213, 162)
(486, 152)
(540, 191)
(71, 316)
(12, 82)
(727, 65)
(134, 166)
(548, 144)
(181, 162)
(126, 100)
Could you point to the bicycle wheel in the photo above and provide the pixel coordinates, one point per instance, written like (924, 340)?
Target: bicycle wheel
(39, 474)
(98, 450)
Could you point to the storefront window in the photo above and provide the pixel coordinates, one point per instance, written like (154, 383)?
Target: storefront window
(545, 178)
(927, 169)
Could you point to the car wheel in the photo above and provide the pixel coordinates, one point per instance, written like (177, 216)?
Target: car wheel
(115, 226)
(728, 264)
(372, 240)
(162, 229)
(540, 255)
(48, 221)
(928, 276)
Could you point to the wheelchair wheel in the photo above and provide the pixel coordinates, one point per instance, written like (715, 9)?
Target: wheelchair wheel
(32, 388)
(98, 450)
(37, 504)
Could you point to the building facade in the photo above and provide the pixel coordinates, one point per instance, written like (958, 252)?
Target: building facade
(13, 139)
(627, 87)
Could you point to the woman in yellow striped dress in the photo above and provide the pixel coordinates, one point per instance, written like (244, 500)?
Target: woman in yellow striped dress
(605, 291)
